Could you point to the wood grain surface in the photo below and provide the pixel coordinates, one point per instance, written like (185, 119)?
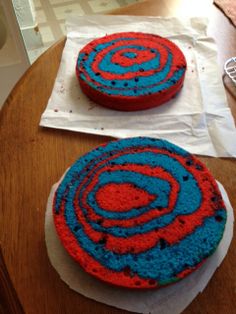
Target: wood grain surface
(9, 302)
(33, 158)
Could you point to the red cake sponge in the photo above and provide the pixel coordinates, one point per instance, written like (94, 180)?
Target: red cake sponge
(139, 213)
(131, 71)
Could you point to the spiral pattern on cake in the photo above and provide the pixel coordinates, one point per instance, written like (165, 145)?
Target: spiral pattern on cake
(139, 213)
(131, 71)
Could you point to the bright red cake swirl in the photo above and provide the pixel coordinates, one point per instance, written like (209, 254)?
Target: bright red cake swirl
(139, 213)
(131, 71)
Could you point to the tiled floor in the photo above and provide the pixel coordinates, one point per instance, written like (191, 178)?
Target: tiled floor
(51, 16)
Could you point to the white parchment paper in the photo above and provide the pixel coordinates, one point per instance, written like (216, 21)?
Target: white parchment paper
(198, 119)
(170, 300)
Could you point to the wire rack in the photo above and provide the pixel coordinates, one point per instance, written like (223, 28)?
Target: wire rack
(230, 68)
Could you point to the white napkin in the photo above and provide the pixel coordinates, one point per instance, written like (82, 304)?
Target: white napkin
(198, 119)
(170, 300)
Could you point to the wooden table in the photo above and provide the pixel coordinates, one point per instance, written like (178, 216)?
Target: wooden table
(33, 158)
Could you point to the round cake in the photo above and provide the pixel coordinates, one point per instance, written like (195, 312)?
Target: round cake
(139, 213)
(131, 71)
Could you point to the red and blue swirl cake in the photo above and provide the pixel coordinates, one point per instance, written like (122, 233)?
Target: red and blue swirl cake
(139, 213)
(131, 71)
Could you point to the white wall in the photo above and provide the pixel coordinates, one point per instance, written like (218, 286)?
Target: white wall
(26, 16)
(13, 56)
(25, 13)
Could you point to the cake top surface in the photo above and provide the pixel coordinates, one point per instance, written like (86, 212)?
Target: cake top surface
(139, 213)
(131, 64)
